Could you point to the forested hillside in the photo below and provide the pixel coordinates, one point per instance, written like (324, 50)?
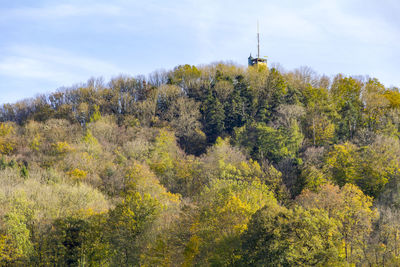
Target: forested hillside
(216, 165)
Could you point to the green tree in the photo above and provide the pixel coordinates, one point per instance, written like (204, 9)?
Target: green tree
(352, 210)
(17, 246)
(342, 163)
(127, 223)
(266, 142)
(346, 94)
(77, 240)
(281, 237)
(226, 207)
(213, 118)
(185, 76)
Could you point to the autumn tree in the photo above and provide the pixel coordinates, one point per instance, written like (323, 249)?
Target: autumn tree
(351, 209)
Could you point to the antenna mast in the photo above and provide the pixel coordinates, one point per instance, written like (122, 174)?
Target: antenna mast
(258, 41)
(257, 60)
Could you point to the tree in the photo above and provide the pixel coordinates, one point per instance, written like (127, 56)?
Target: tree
(7, 139)
(352, 210)
(127, 222)
(237, 106)
(184, 115)
(342, 163)
(271, 95)
(282, 237)
(370, 167)
(375, 104)
(185, 76)
(166, 97)
(17, 246)
(213, 118)
(76, 240)
(266, 142)
(346, 94)
(379, 164)
(312, 175)
(225, 210)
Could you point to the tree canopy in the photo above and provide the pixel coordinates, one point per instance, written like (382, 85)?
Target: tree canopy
(213, 165)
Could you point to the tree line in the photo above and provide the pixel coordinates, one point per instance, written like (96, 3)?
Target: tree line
(215, 165)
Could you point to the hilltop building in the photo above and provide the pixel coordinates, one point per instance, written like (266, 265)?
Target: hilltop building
(256, 61)
(252, 61)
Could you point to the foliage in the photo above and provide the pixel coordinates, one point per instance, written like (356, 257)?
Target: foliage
(213, 165)
(352, 210)
(263, 141)
(226, 207)
(128, 220)
(282, 237)
(7, 142)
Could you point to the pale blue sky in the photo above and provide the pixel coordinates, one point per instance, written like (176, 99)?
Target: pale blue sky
(46, 44)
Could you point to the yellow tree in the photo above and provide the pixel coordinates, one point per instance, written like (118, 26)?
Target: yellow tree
(351, 208)
(226, 207)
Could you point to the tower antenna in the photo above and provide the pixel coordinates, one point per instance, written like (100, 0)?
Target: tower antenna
(257, 60)
(258, 40)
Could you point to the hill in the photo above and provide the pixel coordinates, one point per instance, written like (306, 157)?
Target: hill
(213, 165)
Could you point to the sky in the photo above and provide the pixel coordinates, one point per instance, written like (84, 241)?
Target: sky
(45, 45)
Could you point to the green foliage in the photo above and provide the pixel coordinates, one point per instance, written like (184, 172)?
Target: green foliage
(77, 240)
(164, 153)
(370, 167)
(96, 115)
(213, 118)
(24, 171)
(351, 209)
(127, 222)
(282, 237)
(346, 92)
(275, 90)
(227, 206)
(266, 142)
(17, 235)
(215, 165)
(342, 163)
(184, 76)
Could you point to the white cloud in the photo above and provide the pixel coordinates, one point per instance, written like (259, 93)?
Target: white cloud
(49, 64)
(340, 19)
(60, 11)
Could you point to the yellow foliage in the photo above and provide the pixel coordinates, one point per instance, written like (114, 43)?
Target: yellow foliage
(393, 97)
(163, 153)
(5, 249)
(62, 147)
(90, 139)
(140, 178)
(9, 252)
(77, 174)
(341, 163)
(89, 212)
(238, 208)
(191, 250)
(34, 145)
(245, 170)
(6, 129)
(7, 144)
(323, 131)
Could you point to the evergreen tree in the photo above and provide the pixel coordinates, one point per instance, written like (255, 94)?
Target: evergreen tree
(213, 118)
